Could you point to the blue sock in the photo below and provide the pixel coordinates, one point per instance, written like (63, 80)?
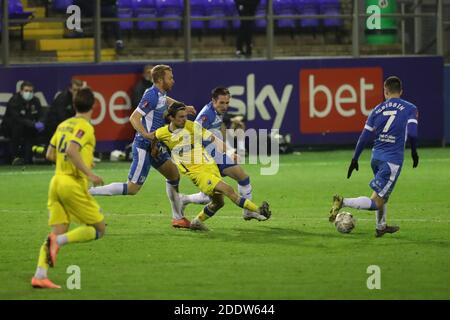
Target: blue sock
(208, 211)
(241, 202)
(244, 182)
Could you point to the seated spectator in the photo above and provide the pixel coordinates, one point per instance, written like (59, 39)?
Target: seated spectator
(62, 107)
(23, 123)
(142, 85)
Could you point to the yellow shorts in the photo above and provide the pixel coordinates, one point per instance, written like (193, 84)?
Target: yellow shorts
(205, 177)
(69, 201)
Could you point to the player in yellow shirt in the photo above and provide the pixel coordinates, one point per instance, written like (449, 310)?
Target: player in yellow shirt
(71, 147)
(185, 140)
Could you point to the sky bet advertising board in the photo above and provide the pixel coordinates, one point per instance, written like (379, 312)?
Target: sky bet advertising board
(317, 101)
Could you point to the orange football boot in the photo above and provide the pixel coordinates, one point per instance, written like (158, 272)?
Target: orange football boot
(181, 223)
(43, 283)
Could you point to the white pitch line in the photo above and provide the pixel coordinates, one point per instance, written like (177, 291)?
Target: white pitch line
(283, 164)
(234, 216)
(50, 172)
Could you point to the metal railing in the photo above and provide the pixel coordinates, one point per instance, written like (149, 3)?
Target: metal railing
(356, 16)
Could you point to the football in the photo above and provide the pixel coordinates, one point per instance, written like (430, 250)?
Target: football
(345, 222)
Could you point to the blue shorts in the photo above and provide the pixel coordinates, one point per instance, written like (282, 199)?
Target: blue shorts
(386, 175)
(142, 161)
(223, 162)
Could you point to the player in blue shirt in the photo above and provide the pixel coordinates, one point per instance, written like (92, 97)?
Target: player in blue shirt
(389, 124)
(149, 116)
(211, 118)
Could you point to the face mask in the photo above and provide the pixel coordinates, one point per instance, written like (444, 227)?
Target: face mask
(27, 96)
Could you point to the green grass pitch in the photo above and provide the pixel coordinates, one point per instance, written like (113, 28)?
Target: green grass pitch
(297, 254)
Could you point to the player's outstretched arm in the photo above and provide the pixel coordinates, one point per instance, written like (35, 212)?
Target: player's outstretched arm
(364, 138)
(222, 147)
(51, 153)
(73, 153)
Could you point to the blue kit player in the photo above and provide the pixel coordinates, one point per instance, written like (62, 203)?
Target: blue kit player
(211, 118)
(389, 124)
(148, 117)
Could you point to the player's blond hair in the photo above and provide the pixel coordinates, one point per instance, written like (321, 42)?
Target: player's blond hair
(159, 71)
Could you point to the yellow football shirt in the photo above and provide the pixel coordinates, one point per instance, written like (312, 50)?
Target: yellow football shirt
(80, 131)
(186, 144)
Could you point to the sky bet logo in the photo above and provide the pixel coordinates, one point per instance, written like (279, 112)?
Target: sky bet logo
(338, 100)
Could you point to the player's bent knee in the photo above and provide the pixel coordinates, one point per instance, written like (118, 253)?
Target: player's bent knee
(60, 228)
(100, 231)
(133, 189)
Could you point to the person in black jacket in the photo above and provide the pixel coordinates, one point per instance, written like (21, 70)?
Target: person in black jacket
(246, 8)
(108, 9)
(23, 123)
(142, 85)
(62, 107)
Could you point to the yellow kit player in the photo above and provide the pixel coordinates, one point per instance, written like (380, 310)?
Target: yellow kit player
(185, 140)
(72, 148)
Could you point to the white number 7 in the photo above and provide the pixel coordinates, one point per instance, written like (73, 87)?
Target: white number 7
(391, 119)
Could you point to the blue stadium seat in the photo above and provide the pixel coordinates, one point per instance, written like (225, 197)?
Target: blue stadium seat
(125, 10)
(284, 7)
(15, 11)
(146, 9)
(330, 7)
(61, 5)
(216, 8)
(308, 7)
(231, 11)
(170, 9)
(198, 9)
(261, 11)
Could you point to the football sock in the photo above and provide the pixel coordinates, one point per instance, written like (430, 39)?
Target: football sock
(248, 204)
(110, 189)
(42, 267)
(205, 214)
(174, 197)
(80, 234)
(360, 203)
(198, 198)
(381, 218)
(245, 189)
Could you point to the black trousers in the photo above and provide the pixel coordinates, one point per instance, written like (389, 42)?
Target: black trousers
(21, 141)
(246, 8)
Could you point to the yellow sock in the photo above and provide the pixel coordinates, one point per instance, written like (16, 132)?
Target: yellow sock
(81, 234)
(202, 216)
(249, 205)
(42, 262)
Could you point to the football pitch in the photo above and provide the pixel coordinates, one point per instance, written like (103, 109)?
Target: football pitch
(297, 254)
